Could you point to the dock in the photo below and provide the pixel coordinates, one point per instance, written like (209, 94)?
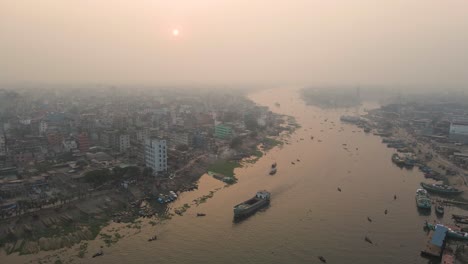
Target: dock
(435, 242)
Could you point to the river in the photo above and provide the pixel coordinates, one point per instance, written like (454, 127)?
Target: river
(308, 216)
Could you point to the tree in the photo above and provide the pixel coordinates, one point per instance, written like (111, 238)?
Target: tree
(236, 142)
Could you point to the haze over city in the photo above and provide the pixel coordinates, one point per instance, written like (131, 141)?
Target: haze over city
(234, 131)
(303, 42)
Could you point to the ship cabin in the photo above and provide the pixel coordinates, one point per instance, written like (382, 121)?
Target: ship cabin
(263, 195)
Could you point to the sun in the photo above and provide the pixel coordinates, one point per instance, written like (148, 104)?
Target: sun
(175, 32)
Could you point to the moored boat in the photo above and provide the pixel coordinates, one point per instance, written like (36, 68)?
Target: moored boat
(261, 199)
(422, 199)
(439, 209)
(457, 234)
(402, 161)
(440, 188)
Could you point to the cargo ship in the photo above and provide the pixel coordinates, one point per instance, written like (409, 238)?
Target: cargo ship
(440, 188)
(261, 199)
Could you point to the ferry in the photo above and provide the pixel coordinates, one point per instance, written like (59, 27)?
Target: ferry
(261, 199)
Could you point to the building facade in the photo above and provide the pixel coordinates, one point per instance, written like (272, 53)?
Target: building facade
(222, 131)
(124, 142)
(459, 130)
(83, 142)
(156, 154)
(2, 144)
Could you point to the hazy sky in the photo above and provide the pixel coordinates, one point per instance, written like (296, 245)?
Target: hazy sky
(354, 42)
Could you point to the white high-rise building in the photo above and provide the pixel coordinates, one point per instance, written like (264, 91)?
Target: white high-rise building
(156, 154)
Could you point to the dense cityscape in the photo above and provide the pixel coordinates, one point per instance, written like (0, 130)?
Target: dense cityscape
(70, 156)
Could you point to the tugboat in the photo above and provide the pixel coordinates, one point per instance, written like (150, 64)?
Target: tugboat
(261, 199)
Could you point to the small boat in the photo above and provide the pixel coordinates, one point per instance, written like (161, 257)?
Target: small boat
(367, 239)
(292, 162)
(153, 238)
(273, 171)
(322, 259)
(201, 214)
(386, 211)
(100, 253)
(369, 219)
(439, 209)
(298, 160)
(273, 165)
(339, 189)
(394, 197)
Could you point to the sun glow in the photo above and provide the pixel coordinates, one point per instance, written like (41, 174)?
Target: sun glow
(175, 32)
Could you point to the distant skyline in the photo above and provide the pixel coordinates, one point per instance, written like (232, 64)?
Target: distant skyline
(300, 42)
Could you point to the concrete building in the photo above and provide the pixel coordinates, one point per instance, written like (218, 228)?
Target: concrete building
(2, 144)
(124, 142)
(54, 138)
(180, 138)
(156, 154)
(83, 142)
(69, 144)
(222, 131)
(142, 135)
(459, 130)
(43, 127)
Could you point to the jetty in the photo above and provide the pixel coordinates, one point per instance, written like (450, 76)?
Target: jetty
(435, 241)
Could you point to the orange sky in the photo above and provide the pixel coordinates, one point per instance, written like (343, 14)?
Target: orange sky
(407, 42)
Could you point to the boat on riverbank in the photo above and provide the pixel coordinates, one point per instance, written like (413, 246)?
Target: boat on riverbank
(402, 161)
(440, 188)
(439, 208)
(261, 199)
(457, 234)
(422, 199)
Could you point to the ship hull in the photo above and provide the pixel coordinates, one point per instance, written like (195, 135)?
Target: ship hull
(433, 189)
(246, 212)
